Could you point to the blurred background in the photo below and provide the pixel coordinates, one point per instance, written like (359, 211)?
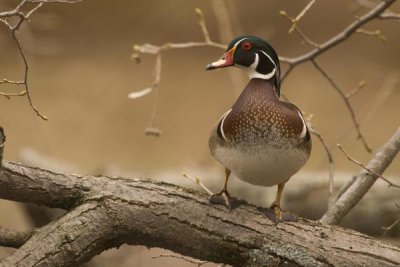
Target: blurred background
(81, 73)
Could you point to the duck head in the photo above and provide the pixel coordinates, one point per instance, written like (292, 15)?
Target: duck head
(255, 56)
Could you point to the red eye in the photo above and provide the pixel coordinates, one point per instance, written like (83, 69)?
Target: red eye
(246, 46)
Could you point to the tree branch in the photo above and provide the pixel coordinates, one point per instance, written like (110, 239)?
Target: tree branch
(109, 211)
(21, 16)
(346, 101)
(295, 20)
(342, 36)
(14, 239)
(358, 187)
(390, 184)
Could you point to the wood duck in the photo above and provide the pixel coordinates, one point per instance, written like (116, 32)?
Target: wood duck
(262, 140)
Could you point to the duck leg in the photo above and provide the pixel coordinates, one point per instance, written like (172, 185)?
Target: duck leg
(223, 196)
(276, 205)
(275, 213)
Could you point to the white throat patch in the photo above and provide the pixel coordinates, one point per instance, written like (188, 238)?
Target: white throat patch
(251, 70)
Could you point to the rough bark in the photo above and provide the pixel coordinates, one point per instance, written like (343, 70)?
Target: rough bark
(106, 212)
(14, 239)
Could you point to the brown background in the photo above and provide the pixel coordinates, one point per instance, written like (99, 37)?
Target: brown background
(81, 74)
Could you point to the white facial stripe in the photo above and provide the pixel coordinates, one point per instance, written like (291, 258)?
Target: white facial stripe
(304, 131)
(238, 42)
(273, 62)
(251, 70)
(276, 69)
(221, 125)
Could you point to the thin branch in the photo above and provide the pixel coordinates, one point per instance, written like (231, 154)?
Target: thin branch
(390, 184)
(331, 181)
(392, 16)
(23, 16)
(306, 38)
(203, 26)
(388, 14)
(153, 130)
(14, 239)
(360, 86)
(181, 257)
(294, 21)
(377, 33)
(299, 32)
(346, 101)
(390, 227)
(14, 31)
(9, 95)
(197, 181)
(342, 36)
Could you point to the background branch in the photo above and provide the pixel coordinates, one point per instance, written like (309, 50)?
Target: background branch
(22, 16)
(346, 101)
(359, 186)
(340, 37)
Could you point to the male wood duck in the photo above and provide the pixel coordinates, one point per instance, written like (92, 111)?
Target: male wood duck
(262, 140)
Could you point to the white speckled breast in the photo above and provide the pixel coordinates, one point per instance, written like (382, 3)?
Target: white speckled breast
(262, 140)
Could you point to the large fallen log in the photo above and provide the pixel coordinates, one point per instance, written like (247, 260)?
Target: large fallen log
(106, 212)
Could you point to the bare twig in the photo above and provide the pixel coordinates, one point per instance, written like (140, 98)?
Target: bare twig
(346, 101)
(388, 14)
(306, 38)
(188, 259)
(392, 16)
(340, 37)
(390, 184)
(9, 95)
(197, 181)
(21, 16)
(390, 227)
(295, 20)
(11, 82)
(360, 86)
(331, 181)
(294, 26)
(202, 24)
(153, 130)
(376, 33)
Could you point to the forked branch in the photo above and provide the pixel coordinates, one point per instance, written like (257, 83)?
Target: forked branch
(22, 12)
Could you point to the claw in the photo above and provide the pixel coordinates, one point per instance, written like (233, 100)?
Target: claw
(277, 215)
(221, 198)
